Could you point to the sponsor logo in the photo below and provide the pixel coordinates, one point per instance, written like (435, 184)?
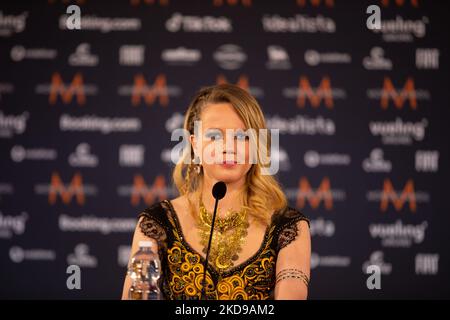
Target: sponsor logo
(300, 23)
(302, 125)
(179, 22)
(104, 125)
(11, 125)
(18, 254)
(12, 225)
(399, 132)
(89, 223)
(83, 56)
(57, 189)
(315, 95)
(82, 156)
(81, 257)
(160, 91)
(181, 56)
(376, 162)
(19, 154)
(388, 194)
(398, 234)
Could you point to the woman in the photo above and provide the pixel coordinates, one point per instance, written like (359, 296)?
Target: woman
(261, 247)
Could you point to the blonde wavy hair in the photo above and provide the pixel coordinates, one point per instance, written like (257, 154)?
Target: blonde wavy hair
(263, 194)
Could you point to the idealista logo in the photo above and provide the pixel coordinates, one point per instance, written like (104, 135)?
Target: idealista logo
(315, 196)
(149, 193)
(299, 23)
(315, 95)
(400, 199)
(160, 91)
(398, 96)
(244, 83)
(76, 89)
(66, 192)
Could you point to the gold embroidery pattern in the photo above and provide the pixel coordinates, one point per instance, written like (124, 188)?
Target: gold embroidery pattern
(252, 282)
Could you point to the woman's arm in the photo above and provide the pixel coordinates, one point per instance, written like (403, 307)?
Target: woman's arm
(138, 236)
(293, 266)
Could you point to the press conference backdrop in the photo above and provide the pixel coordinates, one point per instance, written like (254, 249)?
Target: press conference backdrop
(86, 118)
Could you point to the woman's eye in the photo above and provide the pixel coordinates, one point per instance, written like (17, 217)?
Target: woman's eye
(214, 135)
(240, 136)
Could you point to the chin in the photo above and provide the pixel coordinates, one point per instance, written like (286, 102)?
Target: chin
(228, 175)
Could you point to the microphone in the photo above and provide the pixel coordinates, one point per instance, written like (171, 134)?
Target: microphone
(218, 191)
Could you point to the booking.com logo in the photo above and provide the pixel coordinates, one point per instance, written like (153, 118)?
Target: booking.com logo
(259, 142)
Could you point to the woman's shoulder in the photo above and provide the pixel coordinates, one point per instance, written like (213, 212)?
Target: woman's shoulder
(288, 215)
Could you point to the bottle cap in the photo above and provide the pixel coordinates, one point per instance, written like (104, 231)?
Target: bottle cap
(145, 244)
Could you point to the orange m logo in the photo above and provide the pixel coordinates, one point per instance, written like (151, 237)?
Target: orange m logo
(57, 87)
(141, 89)
(75, 188)
(407, 93)
(389, 195)
(324, 91)
(306, 193)
(141, 190)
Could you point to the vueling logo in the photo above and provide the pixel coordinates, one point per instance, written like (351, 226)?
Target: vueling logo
(322, 193)
(140, 190)
(66, 193)
(389, 195)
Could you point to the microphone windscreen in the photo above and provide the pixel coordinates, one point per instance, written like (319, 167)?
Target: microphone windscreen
(219, 190)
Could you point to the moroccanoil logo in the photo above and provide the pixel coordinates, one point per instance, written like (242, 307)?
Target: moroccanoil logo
(408, 197)
(149, 93)
(308, 94)
(66, 92)
(399, 96)
(315, 194)
(148, 192)
(74, 190)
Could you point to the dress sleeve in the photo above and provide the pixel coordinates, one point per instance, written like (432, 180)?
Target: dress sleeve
(287, 226)
(152, 223)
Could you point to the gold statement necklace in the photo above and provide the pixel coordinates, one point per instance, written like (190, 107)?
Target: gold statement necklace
(228, 237)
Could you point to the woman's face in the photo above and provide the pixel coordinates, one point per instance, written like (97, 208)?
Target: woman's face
(224, 145)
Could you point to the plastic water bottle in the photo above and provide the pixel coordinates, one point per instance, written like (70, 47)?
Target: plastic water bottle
(145, 271)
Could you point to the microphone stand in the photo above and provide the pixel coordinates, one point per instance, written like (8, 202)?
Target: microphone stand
(205, 264)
